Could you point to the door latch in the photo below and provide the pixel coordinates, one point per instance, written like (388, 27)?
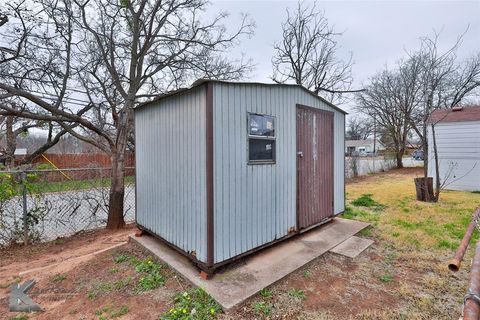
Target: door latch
(300, 154)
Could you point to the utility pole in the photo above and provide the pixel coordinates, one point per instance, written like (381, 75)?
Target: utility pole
(374, 141)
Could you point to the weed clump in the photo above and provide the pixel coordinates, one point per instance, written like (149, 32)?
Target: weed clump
(192, 304)
(365, 200)
(262, 308)
(297, 294)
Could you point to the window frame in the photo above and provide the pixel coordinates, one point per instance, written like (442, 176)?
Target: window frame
(261, 137)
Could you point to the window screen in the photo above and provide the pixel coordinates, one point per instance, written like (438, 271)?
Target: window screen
(261, 138)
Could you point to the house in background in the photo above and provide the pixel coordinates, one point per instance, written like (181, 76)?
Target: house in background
(360, 146)
(457, 133)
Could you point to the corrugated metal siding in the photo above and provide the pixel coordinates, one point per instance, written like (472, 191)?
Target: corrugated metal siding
(256, 204)
(458, 146)
(170, 164)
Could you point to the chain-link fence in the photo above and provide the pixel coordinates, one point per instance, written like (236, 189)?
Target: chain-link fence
(42, 205)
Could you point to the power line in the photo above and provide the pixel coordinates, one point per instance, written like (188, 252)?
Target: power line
(39, 80)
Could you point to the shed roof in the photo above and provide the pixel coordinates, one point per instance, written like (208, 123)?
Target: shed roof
(203, 81)
(471, 113)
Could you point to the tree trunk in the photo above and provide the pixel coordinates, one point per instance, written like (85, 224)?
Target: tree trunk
(117, 192)
(425, 149)
(437, 169)
(11, 143)
(424, 189)
(399, 157)
(427, 195)
(117, 188)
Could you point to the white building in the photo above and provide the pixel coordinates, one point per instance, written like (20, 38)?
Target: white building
(457, 133)
(367, 145)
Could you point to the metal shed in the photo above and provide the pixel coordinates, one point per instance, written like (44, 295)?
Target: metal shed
(224, 169)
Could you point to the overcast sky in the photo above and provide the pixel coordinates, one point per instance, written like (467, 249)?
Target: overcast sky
(376, 32)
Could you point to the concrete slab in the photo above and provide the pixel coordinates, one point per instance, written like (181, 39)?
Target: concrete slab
(259, 270)
(352, 247)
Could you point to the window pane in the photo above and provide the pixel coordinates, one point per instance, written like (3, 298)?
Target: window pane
(260, 125)
(261, 149)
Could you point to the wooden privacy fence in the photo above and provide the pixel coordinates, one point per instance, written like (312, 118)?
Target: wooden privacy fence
(84, 160)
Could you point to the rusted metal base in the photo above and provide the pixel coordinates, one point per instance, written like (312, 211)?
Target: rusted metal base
(205, 276)
(210, 270)
(199, 264)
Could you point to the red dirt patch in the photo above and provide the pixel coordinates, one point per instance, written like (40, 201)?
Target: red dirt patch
(338, 293)
(80, 284)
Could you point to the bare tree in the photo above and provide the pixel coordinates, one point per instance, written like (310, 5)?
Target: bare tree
(119, 54)
(383, 100)
(437, 80)
(18, 49)
(308, 54)
(359, 128)
(3, 18)
(10, 129)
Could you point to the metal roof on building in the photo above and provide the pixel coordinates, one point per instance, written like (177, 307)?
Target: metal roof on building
(203, 81)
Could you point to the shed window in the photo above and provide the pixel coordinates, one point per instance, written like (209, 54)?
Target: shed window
(261, 138)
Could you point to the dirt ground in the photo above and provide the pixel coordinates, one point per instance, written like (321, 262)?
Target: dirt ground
(90, 277)
(81, 286)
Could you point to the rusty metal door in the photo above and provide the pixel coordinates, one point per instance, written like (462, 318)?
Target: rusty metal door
(314, 166)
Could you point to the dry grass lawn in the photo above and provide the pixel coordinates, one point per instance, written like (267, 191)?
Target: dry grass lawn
(403, 275)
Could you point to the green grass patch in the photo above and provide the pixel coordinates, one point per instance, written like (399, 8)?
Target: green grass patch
(192, 304)
(19, 317)
(265, 293)
(59, 278)
(307, 274)
(71, 185)
(120, 258)
(113, 270)
(386, 278)
(151, 274)
(362, 215)
(148, 266)
(122, 283)
(109, 312)
(297, 294)
(365, 200)
(391, 256)
(150, 281)
(366, 232)
(91, 295)
(446, 244)
(103, 288)
(262, 308)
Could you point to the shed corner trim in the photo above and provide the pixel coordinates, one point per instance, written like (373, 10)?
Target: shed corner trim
(209, 172)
